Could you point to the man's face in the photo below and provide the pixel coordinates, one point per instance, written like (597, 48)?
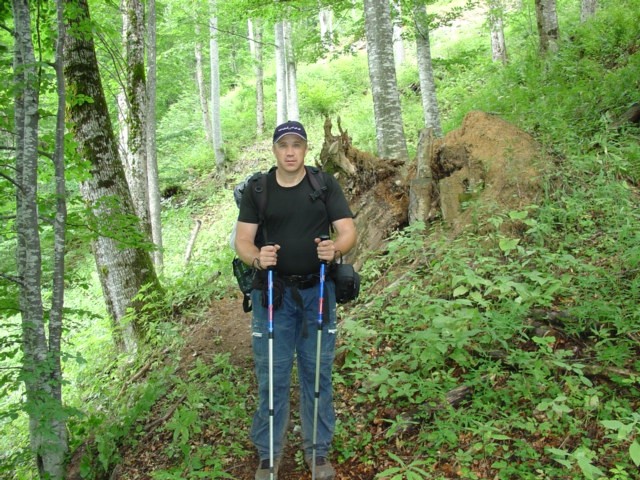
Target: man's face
(290, 151)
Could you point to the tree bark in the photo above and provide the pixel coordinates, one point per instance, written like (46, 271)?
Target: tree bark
(326, 28)
(588, 10)
(124, 267)
(255, 42)
(281, 75)
(293, 113)
(215, 88)
(398, 43)
(384, 89)
(547, 19)
(430, 108)
(498, 44)
(153, 176)
(136, 94)
(202, 89)
(41, 370)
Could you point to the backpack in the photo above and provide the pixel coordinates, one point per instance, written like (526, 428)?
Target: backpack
(256, 185)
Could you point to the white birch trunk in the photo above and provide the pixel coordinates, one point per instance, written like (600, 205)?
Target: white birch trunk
(133, 11)
(293, 113)
(40, 361)
(547, 19)
(215, 88)
(281, 75)
(122, 266)
(153, 175)
(588, 9)
(255, 45)
(425, 70)
(202, 89)
(498, 45)
(386, 98)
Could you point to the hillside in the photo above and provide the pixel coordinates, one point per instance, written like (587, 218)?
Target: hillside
(497, 333)
(493, 384)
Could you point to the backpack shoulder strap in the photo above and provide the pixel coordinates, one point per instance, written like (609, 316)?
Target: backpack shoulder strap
(258, 190)
(318, 184)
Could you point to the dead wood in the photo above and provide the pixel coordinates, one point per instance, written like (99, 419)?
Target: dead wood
(375, 188)
(356, 169)
(453, 398)
(630, 116)
(151, 427)
(192, 241)
(138, 375)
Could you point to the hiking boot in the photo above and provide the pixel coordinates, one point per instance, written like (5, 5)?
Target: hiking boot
(324, 470)
(263, 472)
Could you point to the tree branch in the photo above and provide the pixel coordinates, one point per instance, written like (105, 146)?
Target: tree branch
(11, 278)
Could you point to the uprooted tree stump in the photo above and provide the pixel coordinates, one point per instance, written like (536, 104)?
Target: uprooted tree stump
(484, 167)
(374, 187)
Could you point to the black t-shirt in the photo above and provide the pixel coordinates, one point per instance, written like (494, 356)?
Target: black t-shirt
(293, 220)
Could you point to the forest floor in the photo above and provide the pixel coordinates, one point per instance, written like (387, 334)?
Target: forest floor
(225, 328)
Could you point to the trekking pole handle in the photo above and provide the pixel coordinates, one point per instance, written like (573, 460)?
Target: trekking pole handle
(270, 244)
(322, 239)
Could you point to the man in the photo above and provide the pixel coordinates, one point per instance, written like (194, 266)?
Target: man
(293, 226)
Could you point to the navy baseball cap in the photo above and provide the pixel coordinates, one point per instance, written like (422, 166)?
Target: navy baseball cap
(290, 127)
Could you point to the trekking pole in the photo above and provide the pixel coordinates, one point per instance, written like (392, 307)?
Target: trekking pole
(270, 336)
(323, 265)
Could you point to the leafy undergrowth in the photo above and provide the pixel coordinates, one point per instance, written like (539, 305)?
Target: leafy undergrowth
(489, 355)
(515, 360)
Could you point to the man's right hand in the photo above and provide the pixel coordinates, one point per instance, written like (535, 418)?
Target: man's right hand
(268, 256)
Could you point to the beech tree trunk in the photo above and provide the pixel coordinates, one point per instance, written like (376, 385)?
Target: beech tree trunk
(398, 43)
(153, 176)
(41, 368)
(255, 45)
(498, 45)
(588, 9)
(281, 75)
(425, 71)
(293, 113)
(123, 266)
(215, 88)
(326, 28)
(547, 19)
(384, 89)
(202, 89)
(136, 94)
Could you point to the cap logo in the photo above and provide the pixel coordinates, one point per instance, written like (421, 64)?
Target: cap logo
(290, 127)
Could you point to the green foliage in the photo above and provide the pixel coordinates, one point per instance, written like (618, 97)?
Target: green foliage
(532, 312)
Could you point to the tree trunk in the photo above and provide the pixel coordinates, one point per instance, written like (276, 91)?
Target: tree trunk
(136, 89)
(326, 28)
(281, 75)
(215, 88)
(588, 10)
(386, 98)
(398, 43)
(425, 71)
(421, 188)
(255, 43)
(202, 89)
(498, 45)
(547, 19)
(124, 267)
(293, 113)
(153, 176)
(41, 368)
